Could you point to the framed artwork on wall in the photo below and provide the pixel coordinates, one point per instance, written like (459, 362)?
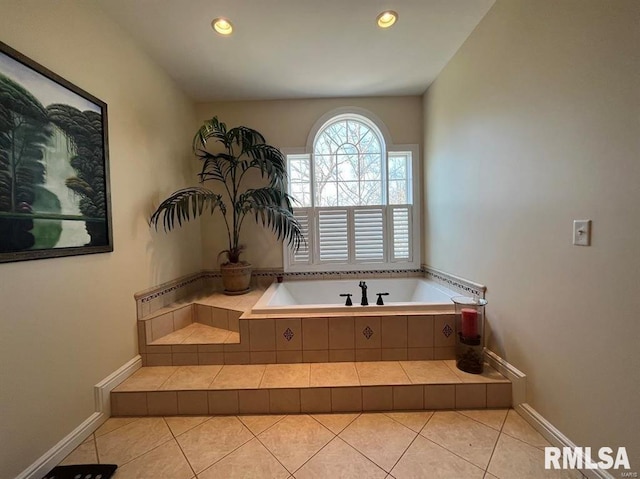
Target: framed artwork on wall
(54, 164)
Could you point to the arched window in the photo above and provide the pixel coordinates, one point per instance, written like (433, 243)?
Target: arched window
(348, 163)
(355, 197)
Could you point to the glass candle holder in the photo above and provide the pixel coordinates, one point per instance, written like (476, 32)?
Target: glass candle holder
(469, 333)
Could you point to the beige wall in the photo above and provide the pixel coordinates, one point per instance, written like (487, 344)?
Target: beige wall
(535, 123)
(287, 124)
(67, 323)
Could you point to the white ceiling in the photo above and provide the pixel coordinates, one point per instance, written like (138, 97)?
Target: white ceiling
(284, 49)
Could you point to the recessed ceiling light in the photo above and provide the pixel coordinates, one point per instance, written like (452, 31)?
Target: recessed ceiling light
(222, 26)
(387, 19)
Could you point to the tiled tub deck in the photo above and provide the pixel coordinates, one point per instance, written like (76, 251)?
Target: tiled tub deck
(219, 329)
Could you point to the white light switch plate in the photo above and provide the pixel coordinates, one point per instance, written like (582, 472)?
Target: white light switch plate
(582, 232)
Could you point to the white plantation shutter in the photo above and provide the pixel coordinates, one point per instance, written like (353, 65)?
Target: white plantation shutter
(368, 233)
(333, 234)
(305, 218)
(401, 233)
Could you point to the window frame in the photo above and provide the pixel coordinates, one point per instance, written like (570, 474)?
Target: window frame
(414, 207)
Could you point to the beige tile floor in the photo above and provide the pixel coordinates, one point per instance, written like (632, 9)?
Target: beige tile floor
(482, 444)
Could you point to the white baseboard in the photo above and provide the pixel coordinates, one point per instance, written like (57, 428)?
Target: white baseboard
(554, 436)
(102, 394)
(518, 378)
(102, 390)
(536, 420)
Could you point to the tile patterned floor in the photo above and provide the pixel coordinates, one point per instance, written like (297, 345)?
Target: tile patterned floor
(482, 444)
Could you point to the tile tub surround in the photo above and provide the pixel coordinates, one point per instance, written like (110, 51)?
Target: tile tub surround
(207, 281)
(259, 339)
(221, 329)
(304, 387)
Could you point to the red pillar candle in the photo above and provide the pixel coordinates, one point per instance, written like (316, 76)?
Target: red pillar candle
(469, 323)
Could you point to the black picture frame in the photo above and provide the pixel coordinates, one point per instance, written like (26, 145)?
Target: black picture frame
(55, 197)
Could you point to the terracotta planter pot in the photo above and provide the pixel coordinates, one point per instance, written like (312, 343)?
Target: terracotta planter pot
(236, 277)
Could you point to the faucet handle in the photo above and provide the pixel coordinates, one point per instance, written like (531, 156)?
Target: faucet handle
(348, 301)
(380, 295)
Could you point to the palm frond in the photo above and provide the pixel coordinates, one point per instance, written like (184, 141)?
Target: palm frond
(245, 137)
(216, 167)
(272, 208)
(185, 204)
(270, 161)
(211, 129)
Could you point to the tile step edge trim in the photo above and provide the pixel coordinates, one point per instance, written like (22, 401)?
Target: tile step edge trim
(554, 436)
(102, 401)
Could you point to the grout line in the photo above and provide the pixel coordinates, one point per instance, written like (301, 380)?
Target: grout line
(407, 374)
(262, 376)
(137, 418)
(179, 446)
(461, 412)
(455, 396)
(159, 387)
(433, 413)
(191, 428)
(496, 444)
(539, 448)
(330, 399)
(95, 446)
(355, 365)
(357, 415)
(214, 377)
(314, 455)
(232, 451)
(365, 456)
(486, 396)
(284, 416)
(269, 450)
(152, 449)
(456, 454)
(405, 451)
(311, 416)
(386, 413)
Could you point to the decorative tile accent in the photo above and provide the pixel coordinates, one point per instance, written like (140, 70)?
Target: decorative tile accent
(288, 334)
(166, 288)
(176, 285)
(367, 332)
(447, 330)
(460, 284)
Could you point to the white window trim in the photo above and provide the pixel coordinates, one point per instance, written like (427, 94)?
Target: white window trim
(414, 149)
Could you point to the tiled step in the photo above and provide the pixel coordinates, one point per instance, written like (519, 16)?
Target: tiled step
(197, 333)
(194, 344)
(308, 388)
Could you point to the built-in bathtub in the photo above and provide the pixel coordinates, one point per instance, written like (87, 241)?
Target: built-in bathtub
(323, 296)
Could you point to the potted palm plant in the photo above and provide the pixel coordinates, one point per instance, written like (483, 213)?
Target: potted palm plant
(243, 150)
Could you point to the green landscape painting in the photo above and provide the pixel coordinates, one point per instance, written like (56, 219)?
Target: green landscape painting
(54, 184)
